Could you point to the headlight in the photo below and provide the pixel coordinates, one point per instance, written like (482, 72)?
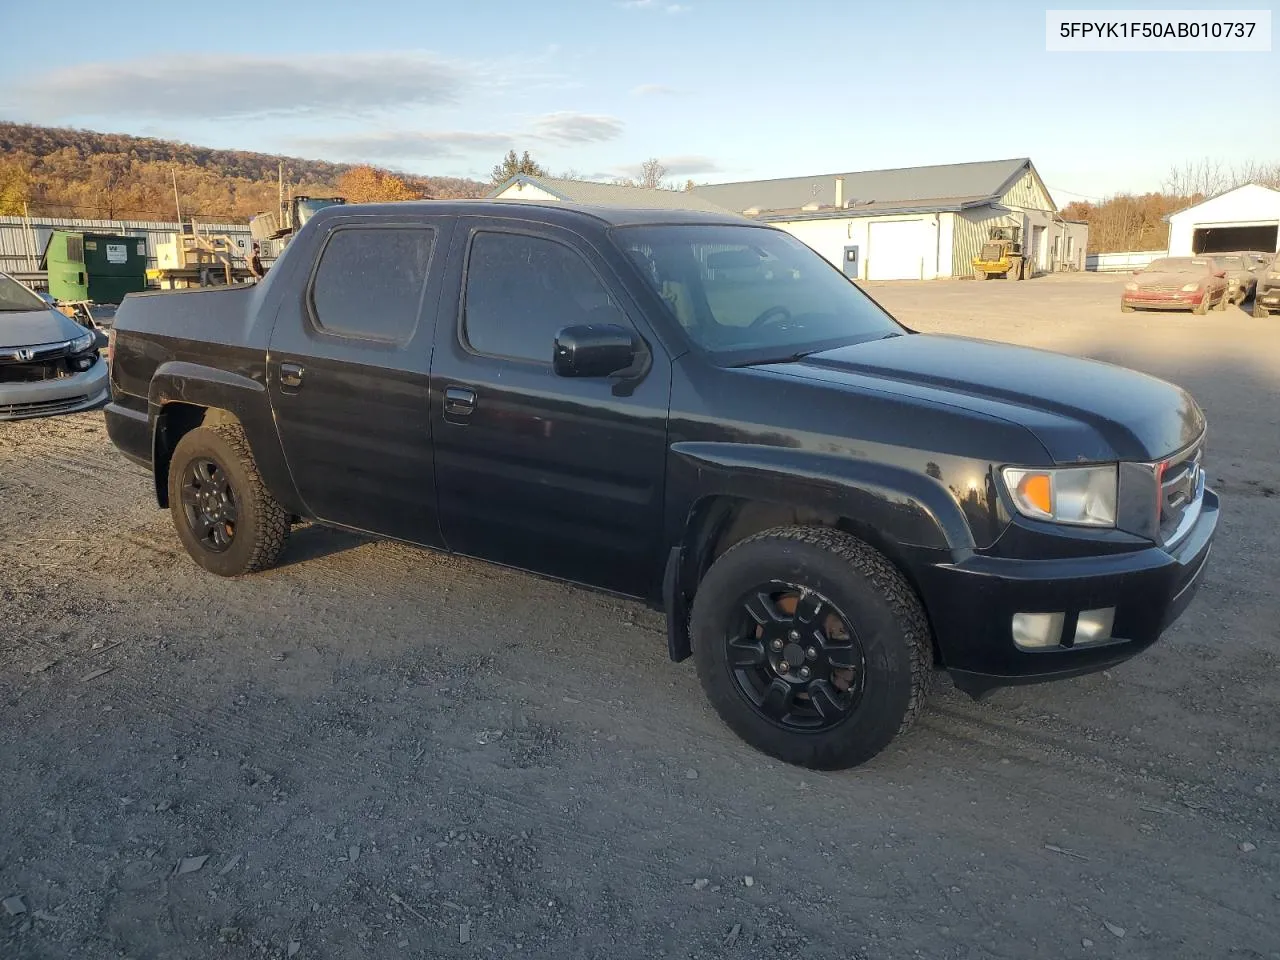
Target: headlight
(1189, 287)
(82, 343)
(1131, 285)
(1085, 496)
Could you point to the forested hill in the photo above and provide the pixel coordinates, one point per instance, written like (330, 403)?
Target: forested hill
(59, 171)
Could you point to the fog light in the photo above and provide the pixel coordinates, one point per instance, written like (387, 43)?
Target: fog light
(1035, 631)
(1094, 626)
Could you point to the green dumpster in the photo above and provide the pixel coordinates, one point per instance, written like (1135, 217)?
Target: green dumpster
(99, 267)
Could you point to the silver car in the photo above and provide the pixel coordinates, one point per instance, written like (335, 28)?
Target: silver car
(49, 364)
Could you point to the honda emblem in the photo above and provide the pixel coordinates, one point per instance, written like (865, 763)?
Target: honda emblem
(25, 354)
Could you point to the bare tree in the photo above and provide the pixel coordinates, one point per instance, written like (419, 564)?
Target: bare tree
(653, 176)
(1207, 177)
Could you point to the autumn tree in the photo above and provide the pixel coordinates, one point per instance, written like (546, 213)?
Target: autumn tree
(514, 166)
(15, 180)
(369, 185)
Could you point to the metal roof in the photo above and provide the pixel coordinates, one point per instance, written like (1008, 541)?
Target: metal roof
(612, 194)
(946, 184)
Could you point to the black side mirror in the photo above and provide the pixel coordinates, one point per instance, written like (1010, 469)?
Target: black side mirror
(594, 350)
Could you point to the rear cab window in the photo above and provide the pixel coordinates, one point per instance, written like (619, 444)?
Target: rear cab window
(369, 280)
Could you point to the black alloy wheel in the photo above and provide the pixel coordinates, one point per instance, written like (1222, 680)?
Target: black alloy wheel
(209, 503)
(796, 658)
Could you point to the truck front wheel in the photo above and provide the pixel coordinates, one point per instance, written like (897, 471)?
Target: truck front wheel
(811, 646)
(223, 513)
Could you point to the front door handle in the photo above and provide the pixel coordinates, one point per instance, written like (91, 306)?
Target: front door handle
(291, 375)
(459, 401)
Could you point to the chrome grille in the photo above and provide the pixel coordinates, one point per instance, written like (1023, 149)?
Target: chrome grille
(1181, 492)
(1159, 287)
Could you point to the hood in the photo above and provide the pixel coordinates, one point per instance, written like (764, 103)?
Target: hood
(1080, 410)
(1160, 279)
(30, 327)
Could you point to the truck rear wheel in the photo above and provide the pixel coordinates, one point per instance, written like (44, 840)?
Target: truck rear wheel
(811, 646)
(221, 509)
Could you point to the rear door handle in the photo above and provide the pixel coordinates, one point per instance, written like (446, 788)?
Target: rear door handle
(291, 375)
(459, 401)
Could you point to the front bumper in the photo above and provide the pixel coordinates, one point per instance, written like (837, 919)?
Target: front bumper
(47, 398)
(1268, 297)
(972, 603)
(1162, 301)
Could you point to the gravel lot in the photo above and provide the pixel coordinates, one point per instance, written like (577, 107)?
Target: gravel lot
(382, 752)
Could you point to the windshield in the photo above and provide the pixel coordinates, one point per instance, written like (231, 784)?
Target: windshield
(750, 294)
(1179, 265)
(1230, 263)
(14, 297)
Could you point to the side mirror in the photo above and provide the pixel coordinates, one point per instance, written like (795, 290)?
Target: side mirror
(100, 338)
(593, 350)
(1220, 273)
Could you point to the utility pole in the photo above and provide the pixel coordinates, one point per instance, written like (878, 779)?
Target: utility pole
(176, 205)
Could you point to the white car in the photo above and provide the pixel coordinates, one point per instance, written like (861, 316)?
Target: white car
(49, 364)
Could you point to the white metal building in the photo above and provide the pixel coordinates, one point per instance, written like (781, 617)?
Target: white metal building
(913, 223)
(1246, 218)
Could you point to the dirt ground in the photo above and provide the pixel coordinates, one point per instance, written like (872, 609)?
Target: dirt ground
(375, 751)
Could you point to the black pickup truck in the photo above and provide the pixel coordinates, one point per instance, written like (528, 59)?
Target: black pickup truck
(697, 411)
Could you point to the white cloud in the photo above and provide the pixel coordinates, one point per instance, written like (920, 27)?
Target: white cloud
(682, 165)
(403, 144)
(230, 86)
(653, 90)
(655, 5)
(568, 127)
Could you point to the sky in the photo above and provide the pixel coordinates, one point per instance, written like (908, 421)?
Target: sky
(718, 90)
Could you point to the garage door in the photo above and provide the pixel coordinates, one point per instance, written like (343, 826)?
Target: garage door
(896, 250)
(1227, 238)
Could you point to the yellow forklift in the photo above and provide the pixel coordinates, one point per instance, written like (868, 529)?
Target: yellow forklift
(1002, 256)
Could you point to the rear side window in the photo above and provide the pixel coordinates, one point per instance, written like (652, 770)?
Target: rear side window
(369, 282)
(523, 290)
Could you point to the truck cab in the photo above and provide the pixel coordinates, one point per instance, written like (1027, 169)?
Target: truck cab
(690, 409)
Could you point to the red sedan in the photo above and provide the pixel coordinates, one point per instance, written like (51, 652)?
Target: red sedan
(1177, 283)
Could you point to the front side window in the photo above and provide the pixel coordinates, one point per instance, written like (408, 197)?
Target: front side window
(748, 293)
(369, 283)
(523, 290)
(15, 298)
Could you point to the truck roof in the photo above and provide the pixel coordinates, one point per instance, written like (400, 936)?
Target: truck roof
(538, 211)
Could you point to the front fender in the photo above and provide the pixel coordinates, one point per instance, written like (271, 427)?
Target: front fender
(910, 509)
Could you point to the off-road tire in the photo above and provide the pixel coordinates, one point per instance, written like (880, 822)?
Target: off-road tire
(1260, 312)
(1201, 308)
(262, 525)
(1223, 301)
(979, 274)
(1127, 308)
(879, 604)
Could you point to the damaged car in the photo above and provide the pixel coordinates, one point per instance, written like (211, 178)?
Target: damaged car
(49, 363)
